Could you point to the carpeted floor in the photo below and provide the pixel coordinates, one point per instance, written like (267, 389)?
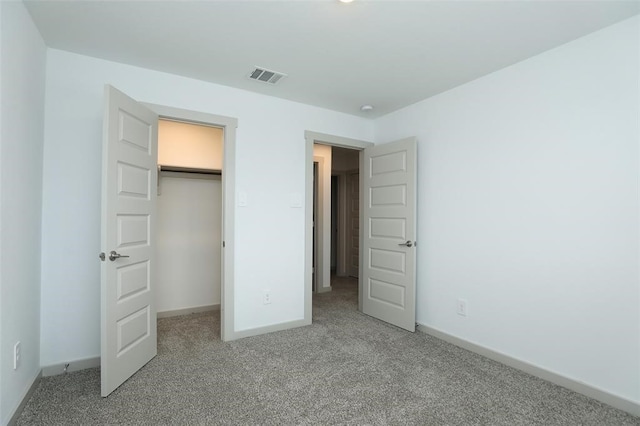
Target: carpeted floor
(346, 368)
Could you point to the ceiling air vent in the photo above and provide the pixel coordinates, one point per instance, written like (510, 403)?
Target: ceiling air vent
(265, 75)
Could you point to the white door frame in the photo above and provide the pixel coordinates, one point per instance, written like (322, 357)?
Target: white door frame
(320, 229)
(332, 140)
(318, 225)
(229, 125)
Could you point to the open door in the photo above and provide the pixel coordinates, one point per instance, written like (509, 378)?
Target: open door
(129, 182)
(388, 243)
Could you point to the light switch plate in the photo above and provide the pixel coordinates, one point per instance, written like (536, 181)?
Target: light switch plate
(242, 199)
(296, 200)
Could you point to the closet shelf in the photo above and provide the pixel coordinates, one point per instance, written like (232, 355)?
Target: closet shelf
(178, 169)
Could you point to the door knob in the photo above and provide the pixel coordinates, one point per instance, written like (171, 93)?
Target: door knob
(113, 255)
(407, 244)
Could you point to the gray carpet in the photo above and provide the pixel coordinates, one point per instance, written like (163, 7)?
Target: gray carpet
(346, 368)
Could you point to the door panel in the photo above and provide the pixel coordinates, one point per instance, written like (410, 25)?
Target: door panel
(388, 261)
(386, 292)
(132, 279)
(389, 212)
(129, 179)
(133, 230)
(391, 228)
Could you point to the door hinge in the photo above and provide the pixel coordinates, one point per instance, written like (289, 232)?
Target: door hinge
(223, 245)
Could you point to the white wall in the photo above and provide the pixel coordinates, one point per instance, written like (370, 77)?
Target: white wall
(21, 139)
(189, 236)
(269, 168)
(528, 209)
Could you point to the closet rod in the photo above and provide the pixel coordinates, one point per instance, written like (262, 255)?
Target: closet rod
(189, 170)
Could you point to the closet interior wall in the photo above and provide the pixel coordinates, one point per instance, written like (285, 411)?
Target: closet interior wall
(189, 224)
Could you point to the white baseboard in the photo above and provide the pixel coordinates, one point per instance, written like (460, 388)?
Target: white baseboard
(25, 398)
(616, 401)
(188, 311)
(324, 289)
(71, 366)
(268, 329)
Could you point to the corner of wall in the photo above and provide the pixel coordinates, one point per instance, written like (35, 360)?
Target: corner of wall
(22, 87)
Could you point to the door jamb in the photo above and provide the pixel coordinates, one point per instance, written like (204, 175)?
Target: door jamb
(229, 125)
(338, 141)
(319, 229)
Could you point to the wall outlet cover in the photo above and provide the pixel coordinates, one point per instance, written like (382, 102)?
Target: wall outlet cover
(17, 355)
(462, 307)
(296, 200)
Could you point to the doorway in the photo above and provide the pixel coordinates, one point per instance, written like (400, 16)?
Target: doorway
(229, 125)
(189, 218)
(128, 232)
(345, 201)
(323, 263)
(335, 214)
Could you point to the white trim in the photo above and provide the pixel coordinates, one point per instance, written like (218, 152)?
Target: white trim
(271, 328)
(339, 141)
(76, 365)
(324, 139)
(13, 419)
(308, 230)
(321, 267)
(188, 311)
(542, 373)
(227, 324)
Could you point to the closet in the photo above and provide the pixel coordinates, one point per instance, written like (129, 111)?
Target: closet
(189, 220)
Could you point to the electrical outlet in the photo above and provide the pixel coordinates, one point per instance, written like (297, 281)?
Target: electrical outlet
(266, 297)
(17, 355)
(462, 307)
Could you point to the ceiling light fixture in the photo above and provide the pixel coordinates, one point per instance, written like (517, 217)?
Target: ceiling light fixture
(366, 108)
(346, 1)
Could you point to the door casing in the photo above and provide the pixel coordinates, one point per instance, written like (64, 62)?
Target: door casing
(332, 140)
(229, 125)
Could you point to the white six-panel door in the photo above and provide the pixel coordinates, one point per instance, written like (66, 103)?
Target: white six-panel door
(129, 185)
(389, 232)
